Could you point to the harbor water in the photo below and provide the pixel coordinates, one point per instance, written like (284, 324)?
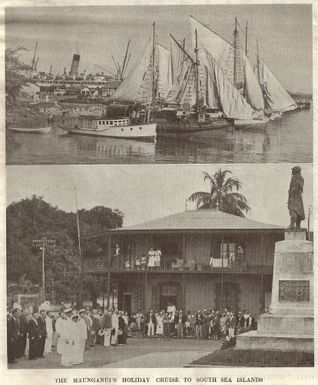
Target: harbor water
(288, 139)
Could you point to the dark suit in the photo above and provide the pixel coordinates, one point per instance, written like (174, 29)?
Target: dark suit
(33, 330)
(23, 335)
(12, 338)
(42, 336)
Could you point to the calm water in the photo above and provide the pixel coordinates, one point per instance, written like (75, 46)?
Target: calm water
(286, 140)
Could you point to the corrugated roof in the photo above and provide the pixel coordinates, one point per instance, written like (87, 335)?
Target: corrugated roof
(201, 220)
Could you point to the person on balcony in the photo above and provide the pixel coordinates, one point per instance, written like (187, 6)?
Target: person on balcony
(157, 259)
(151, 259)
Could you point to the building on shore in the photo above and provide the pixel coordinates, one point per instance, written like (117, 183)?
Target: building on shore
(208, 259)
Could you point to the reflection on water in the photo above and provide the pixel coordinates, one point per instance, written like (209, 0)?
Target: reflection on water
(286, 140)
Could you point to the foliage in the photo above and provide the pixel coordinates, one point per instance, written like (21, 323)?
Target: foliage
(14, 74)
(221, 195)
(34, 218)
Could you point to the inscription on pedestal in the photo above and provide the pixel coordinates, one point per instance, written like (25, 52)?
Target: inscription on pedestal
(293, 291)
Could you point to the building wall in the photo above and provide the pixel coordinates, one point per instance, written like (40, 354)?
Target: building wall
(201, 291)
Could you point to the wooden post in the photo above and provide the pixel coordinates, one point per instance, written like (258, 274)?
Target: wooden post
(109, 256)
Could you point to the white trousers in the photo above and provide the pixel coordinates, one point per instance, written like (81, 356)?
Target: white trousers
(107, 338)
(151, 329)
(67, 354)
(48, 344)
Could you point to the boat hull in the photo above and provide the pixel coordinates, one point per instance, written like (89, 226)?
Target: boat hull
(40, 130)
(240, 123)
(140, 131)
(191, 128)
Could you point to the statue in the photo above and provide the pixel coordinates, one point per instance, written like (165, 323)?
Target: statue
(295, 200)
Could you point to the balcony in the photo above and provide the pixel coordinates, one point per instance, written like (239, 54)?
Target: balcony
(175, 265)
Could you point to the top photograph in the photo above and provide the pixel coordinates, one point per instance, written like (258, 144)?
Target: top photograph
(159, 84)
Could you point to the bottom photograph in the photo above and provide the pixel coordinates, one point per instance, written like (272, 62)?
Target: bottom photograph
(160, 266)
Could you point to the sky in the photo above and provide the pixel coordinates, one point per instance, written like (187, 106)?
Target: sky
(284, 33)
(147, 192)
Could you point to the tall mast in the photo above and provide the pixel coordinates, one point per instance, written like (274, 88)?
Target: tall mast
(196, 50)
(235, 53)
(246, 28)
(153, 96)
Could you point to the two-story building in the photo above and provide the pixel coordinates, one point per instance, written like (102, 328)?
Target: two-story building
(195, 259)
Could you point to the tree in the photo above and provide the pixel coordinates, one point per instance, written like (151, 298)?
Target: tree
(34, 218)
(14, 74)
(223, 194)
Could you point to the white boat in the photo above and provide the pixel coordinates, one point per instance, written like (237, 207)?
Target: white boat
(38, 130)
(113, 128)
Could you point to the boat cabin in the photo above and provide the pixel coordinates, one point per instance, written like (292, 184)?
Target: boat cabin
(96, 123)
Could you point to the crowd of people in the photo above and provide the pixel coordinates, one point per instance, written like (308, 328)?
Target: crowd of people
(71, 332)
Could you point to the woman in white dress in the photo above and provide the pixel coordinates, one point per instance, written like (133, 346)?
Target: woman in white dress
(49, 332)
(151, 258)
(159, 318)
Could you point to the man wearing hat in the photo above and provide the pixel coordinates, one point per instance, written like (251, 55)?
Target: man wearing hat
(82, 336)
(59, 329)
(295, 200)
(66, 338)
(42, 333)
(33, 333)
(13, 333)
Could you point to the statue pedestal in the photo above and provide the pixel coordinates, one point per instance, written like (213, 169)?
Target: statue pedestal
(289, 324)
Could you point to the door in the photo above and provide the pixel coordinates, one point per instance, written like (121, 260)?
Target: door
(166, 300)
(229, 298)
(127, 303)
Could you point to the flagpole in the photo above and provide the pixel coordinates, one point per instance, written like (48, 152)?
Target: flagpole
(79, 251)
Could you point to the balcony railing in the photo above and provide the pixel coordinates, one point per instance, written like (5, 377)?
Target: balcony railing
(96, 265)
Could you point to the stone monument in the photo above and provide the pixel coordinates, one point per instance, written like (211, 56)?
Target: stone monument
(289, 324)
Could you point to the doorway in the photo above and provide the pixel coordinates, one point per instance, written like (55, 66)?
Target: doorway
(127, 303)
(229, 298)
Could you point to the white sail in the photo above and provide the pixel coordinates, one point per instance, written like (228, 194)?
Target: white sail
(137, 85)
(276, 97)
(162, 71)
(233, 104)
(223, 53)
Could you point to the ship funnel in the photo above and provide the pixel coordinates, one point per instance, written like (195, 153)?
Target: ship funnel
(75, 64)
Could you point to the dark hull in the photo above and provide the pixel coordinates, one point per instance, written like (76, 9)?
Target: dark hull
(190, 128)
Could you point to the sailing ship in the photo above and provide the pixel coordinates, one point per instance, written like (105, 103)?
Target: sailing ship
(166, 84)
(235, 89)
(276, 99)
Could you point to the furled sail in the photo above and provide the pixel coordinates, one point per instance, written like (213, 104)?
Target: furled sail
(233, 104)
(137, 85)
(276, 97)
(223, 53)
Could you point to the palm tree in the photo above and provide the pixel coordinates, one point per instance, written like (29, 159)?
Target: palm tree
(221, 195)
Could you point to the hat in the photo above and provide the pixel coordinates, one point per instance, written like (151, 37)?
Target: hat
(296, 168)
(81, 311)
(75, 315)
(16, 306)
(67, 310)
